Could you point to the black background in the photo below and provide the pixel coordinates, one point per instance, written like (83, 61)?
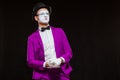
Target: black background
(93, 30)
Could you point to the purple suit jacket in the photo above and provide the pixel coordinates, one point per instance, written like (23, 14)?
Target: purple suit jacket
(35, 51)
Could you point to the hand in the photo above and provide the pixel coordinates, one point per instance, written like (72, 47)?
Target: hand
(58, 61)
(51, 62)
(54, 63)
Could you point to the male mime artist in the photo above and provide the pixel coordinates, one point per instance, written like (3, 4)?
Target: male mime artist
(48, 50)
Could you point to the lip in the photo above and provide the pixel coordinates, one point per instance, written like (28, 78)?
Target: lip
(45, 18)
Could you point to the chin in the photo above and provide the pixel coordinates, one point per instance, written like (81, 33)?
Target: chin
(45, 23)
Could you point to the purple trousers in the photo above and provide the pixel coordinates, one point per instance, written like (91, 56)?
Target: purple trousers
(54, 74)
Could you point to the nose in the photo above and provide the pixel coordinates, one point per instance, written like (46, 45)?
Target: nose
(45, 15)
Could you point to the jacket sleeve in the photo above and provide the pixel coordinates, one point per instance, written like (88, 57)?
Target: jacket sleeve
(32, 63)
(66, 46)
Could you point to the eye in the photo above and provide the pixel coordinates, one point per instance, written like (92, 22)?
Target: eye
(42, 14)
(47, 13)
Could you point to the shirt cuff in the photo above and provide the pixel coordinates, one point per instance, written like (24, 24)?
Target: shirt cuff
(44, 64)
(63, 59)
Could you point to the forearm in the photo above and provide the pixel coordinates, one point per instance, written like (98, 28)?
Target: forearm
(66, 57)
(35, 64)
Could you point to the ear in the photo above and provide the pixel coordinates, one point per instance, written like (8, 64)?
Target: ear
(36, 18)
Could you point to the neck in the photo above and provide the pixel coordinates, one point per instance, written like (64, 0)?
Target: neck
(43, 25)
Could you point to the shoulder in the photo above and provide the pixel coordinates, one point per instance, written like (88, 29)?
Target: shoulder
(59, 29)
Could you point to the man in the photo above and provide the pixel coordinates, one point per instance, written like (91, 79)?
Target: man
(48, 50)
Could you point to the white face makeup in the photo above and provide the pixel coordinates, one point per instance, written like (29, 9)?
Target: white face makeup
(43, 16)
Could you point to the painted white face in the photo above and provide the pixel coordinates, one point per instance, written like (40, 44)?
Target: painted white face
(44, 16)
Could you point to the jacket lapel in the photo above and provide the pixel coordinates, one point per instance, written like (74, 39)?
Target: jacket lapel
(39, 39)
(54, 38)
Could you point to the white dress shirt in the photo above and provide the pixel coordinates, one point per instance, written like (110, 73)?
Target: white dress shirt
(48, 43)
